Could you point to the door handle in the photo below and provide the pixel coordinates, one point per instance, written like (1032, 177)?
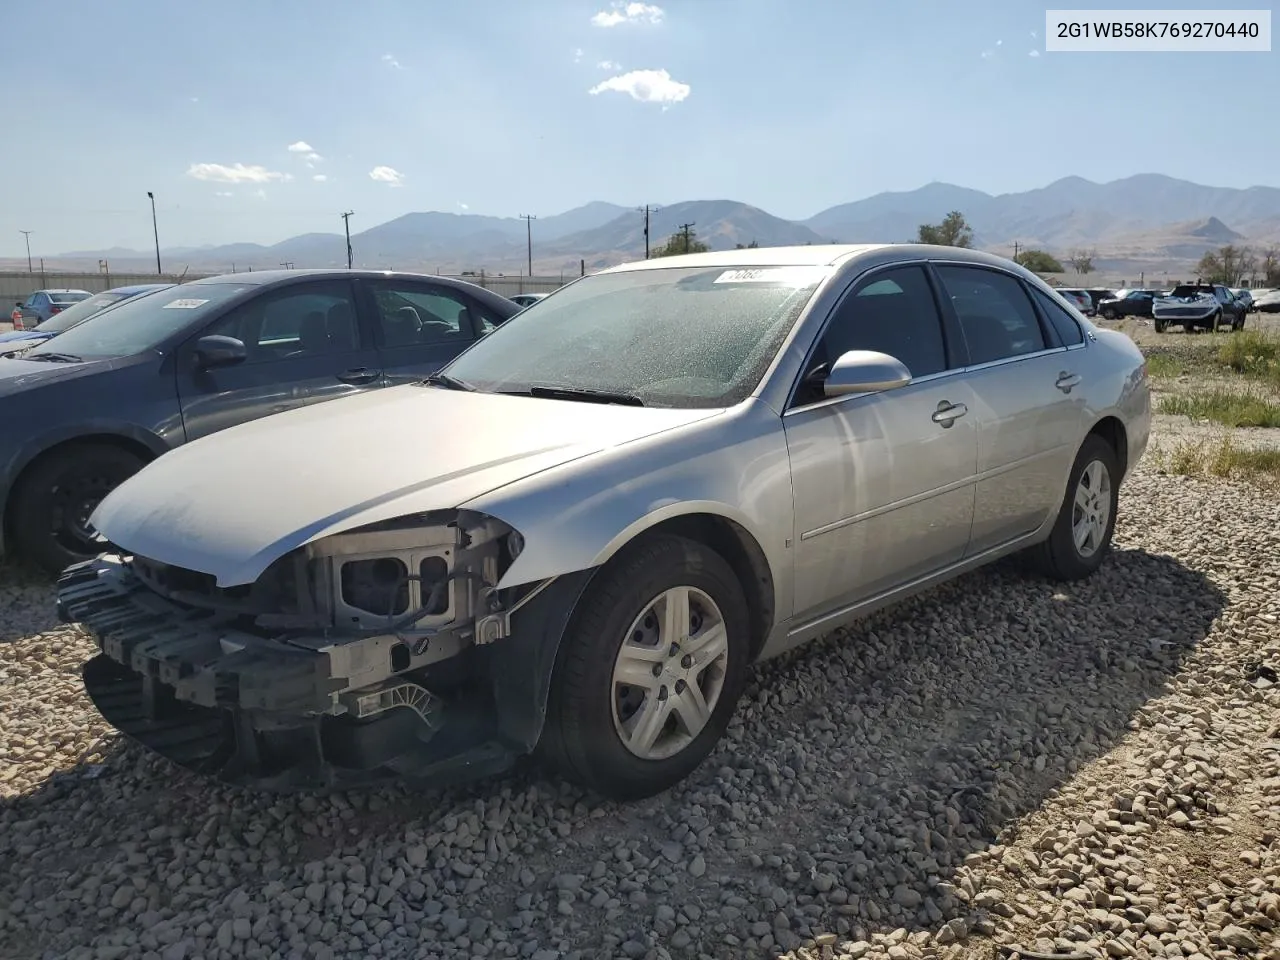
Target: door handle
(359, 375)
(948, 413)
(1066, 381)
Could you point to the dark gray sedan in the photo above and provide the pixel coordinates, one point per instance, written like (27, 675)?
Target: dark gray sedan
(87, 410)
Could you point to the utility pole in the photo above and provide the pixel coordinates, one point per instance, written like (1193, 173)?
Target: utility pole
(27, 234)
(685, 228)
(346, 225)
(528, 219)
(1015, 251)
(646, 231)
(154, 229)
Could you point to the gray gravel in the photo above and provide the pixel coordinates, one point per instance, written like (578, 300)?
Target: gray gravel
(1002, 763)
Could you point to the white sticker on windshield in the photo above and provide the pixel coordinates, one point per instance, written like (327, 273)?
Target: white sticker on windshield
(795, 276)
(183, 304)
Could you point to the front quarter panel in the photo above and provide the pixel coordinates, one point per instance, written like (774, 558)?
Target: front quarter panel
(575, 517)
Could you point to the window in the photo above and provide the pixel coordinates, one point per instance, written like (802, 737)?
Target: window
(420, 314)
(894, 313)
(1063, 323)
(997, 318)
(310, 319)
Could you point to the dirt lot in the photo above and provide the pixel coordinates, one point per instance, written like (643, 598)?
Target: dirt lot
(1002, 762)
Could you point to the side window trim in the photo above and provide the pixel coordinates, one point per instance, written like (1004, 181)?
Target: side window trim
(856, 283)
(1048, 322)
(950, 310)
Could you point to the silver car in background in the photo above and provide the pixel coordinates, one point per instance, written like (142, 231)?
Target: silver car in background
(578, 536)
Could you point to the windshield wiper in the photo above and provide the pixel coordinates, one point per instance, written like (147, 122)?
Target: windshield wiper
(582, 393)
(449, 382)
(55, 357)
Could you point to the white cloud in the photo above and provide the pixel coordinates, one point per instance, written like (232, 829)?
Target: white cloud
(647, 86)
(1034, 53)
(1033, 34)
(387, 175)
(260, 194)
(463, 206)
(319, 178)
(620, 12)
(999, 43)
(609, 65)
(224, 193)
(300, 147)
(235, 173)
(391, 61)
(577, 55)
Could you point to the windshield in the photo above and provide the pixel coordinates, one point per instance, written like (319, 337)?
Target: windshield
(69, 317)
(141, 323)
(679, 337)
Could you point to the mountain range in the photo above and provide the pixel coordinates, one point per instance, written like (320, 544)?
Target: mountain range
(1145, 222)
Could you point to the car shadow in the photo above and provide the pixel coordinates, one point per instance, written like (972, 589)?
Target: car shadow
(859, 773)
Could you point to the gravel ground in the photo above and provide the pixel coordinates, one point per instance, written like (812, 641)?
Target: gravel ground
(1003, 762)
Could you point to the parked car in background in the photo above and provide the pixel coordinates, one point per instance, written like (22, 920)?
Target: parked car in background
(88, 408)
(1127, 303)
(1208, 306)
(582, 533)
(1267, 302)
(1099, 294)
(1245, 298)
(43, 304)
(526, 299)
(1079, 298)
(20, 341)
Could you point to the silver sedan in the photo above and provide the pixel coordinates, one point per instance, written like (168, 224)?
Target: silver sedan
(577, 538)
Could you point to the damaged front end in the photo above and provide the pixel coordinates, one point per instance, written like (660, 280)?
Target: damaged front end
(382, 653)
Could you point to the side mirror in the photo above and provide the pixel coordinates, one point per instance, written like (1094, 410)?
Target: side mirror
(218, 351)
(865, 371)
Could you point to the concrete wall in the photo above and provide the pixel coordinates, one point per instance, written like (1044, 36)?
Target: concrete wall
(16, 286)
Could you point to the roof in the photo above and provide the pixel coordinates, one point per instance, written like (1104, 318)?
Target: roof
(62, 290)
(139, 288)
(807, 255)
(264, 277)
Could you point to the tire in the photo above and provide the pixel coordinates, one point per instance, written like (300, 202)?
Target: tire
(1108, 314)
(1188, 326)
(57, 494)
(1059, 557)
(589, 709)
(1159, 325)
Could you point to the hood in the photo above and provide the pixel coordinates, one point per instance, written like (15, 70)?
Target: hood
(18, 375)
(22, 335)
(231, 503)
(21, 340)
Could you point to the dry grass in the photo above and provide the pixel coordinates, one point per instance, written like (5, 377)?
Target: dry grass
(1231, 408)
(1218, 457)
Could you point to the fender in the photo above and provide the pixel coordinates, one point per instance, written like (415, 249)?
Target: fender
(576, 516)
(86, 430)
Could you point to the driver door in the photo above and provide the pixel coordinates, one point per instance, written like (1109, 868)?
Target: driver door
(883, 482)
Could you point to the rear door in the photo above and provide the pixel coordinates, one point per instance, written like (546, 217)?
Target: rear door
(420, 326)
(1029, 408)
(304, 345)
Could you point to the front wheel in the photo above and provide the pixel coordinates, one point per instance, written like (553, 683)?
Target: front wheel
(1081, 536)
(650, 670)
(1159, 325)
(53, 501)
(1108, 314)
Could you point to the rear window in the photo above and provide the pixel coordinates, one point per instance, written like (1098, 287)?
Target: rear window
(1189, 290)
(68, 297)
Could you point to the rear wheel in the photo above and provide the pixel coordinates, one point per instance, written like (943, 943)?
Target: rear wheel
(53, 501)
(648, 676)
(1108, 313)
(1081, 536)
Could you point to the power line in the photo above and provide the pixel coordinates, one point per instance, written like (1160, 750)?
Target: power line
(528, 219)
(646, 210)
(346, 226)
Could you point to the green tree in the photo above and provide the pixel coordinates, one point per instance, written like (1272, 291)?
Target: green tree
(1039, 261)
(1230, 265)
(953, 231)
(1082, 262)
(747, 246)
(682, 241)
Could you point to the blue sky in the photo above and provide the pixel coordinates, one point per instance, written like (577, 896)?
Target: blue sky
(392, 106)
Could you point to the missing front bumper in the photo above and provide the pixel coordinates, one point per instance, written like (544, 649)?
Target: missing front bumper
(253, 711)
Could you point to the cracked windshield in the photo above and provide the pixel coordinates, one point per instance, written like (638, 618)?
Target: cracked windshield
(677, 480)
